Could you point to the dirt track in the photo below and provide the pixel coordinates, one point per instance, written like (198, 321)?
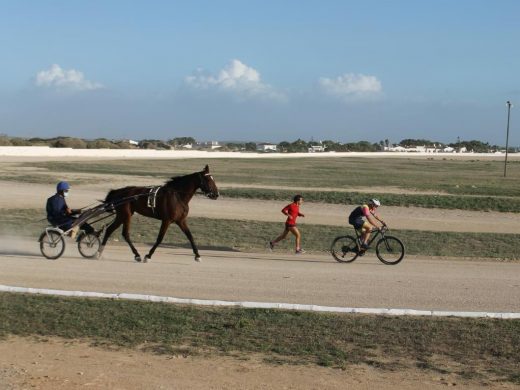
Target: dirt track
(280, 277)
(456, 285)
(24, 195)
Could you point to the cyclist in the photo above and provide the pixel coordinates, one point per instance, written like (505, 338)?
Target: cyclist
(368, 211)
(292, 211)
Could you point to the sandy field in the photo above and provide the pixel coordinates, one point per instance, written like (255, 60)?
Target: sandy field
(417, 283)
(56, 364)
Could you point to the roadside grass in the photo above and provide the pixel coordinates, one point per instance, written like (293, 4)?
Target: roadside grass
(466, 202)
(242, 235)
(481, 349)
(439, 174)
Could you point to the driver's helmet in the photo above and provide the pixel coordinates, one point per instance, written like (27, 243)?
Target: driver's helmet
(62, 186)
(374, 202)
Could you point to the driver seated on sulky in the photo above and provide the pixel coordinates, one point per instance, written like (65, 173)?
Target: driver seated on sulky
(58, 212)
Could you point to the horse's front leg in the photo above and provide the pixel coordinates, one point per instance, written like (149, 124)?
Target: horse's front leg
(160, 236)
(184, 227)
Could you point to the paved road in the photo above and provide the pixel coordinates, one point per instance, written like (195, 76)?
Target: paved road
(273, 277)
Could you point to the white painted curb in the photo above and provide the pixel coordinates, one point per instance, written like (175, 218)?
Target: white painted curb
(261, 305)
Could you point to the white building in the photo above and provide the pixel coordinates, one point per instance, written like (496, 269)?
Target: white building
(316, 149)
(211, 145)
(266, 147)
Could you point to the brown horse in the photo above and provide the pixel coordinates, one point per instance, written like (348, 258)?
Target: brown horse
(168, 203)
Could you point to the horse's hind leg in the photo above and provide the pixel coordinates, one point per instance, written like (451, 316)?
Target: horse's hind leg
(126, 235)
(160, 237)
(184, 227)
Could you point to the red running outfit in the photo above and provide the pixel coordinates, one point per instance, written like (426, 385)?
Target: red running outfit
(293, 210)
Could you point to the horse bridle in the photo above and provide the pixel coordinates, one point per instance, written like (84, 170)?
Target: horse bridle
(203, 183)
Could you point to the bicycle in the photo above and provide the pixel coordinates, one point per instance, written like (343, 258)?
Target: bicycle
(389, 249)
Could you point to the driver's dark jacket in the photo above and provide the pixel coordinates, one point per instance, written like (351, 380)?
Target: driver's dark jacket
(57, 210)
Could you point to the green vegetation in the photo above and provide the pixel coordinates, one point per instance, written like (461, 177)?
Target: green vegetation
(65, 142)
(252, 236)
(466, 202)
(404, 175)
(285, 146)
(482, 349)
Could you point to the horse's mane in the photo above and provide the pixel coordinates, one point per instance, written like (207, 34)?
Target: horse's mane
(177, 181)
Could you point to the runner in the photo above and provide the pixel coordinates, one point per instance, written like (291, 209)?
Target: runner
(292, 211)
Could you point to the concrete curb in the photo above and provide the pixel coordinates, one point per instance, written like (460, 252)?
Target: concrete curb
(261, 305)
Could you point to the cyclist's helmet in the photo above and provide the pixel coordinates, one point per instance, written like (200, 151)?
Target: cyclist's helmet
(374, 202)
(62, 186)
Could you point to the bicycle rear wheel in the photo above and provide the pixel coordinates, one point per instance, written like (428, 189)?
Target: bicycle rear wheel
(88, 245)
(390, 250)
(344, 249)
(52, 244)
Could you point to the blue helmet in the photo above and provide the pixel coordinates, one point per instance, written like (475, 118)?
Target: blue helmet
(62, 186)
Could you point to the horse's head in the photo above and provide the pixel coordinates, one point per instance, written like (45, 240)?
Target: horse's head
(207, 184)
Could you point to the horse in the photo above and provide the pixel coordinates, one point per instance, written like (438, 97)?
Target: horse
(168, 203)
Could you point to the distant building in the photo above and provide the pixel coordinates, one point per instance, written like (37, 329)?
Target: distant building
(211, 145)
(316, 149)
(266, 147)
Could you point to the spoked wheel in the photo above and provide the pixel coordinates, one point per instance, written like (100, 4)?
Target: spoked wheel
(88, 245)
(344, 249)
(52, 244)
(390, 250)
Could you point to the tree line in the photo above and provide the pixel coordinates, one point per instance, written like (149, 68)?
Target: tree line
(297, 146)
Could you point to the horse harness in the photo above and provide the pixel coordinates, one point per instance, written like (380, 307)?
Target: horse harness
(152, 197)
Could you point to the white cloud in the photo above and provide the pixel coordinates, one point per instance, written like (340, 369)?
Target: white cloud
(72, 79)
(351, 86)
(236, 78)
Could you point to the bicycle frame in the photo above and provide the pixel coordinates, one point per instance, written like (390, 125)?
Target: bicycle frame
(372, 238)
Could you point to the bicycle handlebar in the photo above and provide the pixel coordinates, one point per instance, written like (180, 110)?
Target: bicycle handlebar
(382, 229)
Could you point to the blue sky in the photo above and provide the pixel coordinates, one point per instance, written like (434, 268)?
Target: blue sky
(261, 70)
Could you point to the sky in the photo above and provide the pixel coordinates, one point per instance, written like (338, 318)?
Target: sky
(261, 70)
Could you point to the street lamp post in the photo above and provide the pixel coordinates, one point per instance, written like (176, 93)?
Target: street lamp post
(508, 104)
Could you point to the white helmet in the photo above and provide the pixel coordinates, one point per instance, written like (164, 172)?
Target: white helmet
(375, 202)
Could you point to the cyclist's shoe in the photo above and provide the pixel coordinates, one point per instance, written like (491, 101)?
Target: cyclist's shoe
(364, 246)
(361, 253)
(299, 251)
(270, 245)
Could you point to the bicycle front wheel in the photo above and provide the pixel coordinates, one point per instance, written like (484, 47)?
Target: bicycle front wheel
(390, 250)
(344, 249)
(52, 244)
(88, 245)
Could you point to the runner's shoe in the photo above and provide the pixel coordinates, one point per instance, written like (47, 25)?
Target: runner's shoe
(299, 251)
(270, 245)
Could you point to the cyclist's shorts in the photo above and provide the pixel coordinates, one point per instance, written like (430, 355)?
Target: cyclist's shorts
(357, 223)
